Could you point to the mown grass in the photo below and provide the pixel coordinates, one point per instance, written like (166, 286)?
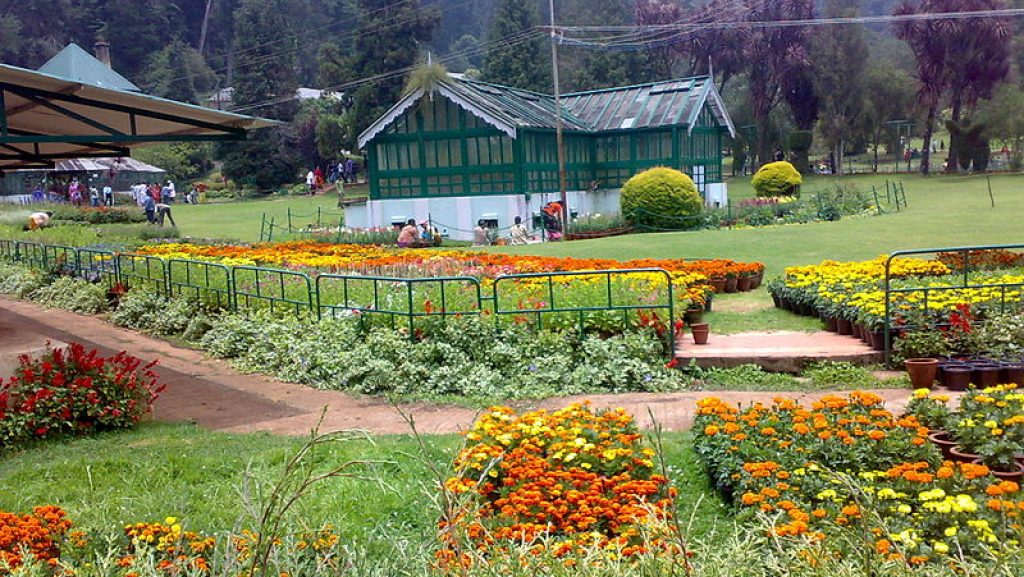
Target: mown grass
(944, 211)
(162, 470)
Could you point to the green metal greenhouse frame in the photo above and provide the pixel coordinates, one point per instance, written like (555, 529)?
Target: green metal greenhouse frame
(469, 138)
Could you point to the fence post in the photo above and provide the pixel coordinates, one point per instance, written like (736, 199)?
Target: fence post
(289, 220)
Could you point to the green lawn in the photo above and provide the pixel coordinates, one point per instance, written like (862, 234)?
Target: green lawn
(944, 211)
(241, 220)
(196, 475)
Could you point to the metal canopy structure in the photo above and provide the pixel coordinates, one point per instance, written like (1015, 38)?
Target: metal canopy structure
(47, 118)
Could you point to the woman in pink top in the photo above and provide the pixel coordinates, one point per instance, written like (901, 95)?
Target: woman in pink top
(408, 234)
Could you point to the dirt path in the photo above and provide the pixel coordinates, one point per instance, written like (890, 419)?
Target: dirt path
(217, 397)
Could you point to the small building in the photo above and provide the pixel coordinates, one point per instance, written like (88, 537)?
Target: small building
(120, 173)
(465, 150)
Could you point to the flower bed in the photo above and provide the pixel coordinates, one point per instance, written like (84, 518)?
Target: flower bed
(854, 292)
(846, 462)
(567, 481)
(43, 543)
(74, 392)
(988, 423)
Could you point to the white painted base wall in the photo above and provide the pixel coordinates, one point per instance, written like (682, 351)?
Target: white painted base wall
(456, 216)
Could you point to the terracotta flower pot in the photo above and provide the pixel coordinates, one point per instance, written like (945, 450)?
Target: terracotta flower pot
(943, 441)
(831, 324)
(1014, 476)
(957, 377)
(961, 455)
(700, 333)
(845, 327)
(985, 376)
(731, 284)
(718, 284)
(1011, 373)
(744, 283)
(922, 372)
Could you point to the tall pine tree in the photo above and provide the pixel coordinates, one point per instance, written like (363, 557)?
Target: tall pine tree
(390, 38)
(525, 65)
(264, 85)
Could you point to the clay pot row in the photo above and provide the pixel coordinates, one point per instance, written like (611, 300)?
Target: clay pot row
(736, 284)
(953, 452)
(957, 375)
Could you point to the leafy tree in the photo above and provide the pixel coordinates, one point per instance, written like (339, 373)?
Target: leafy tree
(137, 29)
(513, 62)
(889, 96)
(840, 56)
(183, 161)
(332, 65)
(964, 58)
(178, 72)
(661, 57)
(264, 84)
(774, 60)
(1004, 116)
(400, 30)
(465, 54)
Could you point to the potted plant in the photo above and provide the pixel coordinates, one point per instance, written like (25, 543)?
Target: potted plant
(731, 280)
(933, 412)
(991, 429)
(921, 350)
(700, 333)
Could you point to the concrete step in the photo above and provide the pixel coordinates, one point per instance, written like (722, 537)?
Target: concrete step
(780, 351)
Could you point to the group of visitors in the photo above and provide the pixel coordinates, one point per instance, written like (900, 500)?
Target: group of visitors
(426, 235)
(345, 170)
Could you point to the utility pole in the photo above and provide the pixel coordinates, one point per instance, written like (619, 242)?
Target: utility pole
(562, 185)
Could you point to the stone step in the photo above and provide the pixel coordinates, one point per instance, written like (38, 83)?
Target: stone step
(779, 351)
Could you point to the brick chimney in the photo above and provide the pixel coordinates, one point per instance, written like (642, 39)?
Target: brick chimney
(102, 50)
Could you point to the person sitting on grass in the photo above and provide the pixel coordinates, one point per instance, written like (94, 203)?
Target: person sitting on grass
(38, 220)
(408, 234)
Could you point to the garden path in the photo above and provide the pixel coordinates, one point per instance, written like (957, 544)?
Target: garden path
(215, 396)
(783, 351)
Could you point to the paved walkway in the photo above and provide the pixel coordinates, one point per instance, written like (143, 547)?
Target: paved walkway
(216, 396)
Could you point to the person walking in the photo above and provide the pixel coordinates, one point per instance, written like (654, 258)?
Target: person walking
(149, 207)
(172, 192)
(94, 197)
(108, 195)
(311, 182)
(75, 192)
(350, 170)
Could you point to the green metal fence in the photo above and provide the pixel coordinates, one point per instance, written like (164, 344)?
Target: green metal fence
(97, 266)
(257, 287)
(208, 282)
(401, 301)
(137, 270)
(558, 301)
(963, 283)
(398, 299)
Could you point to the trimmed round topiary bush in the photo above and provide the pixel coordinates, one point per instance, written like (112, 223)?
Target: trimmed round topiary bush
(661, 198)
(777, 179)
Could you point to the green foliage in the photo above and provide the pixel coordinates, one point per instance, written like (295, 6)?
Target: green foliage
(72, 294)
(64, 213)
(1003, 335)
(920, 344)
(660, 194)
(178, 72)
(525, 65)
(777, 179)
(146, 310)
(840, 375)
(464, 358)
(20, 281)
(268, 158)
(743, 377)
(464, 54)
(426, 77)
(183, 161)
(399, 31)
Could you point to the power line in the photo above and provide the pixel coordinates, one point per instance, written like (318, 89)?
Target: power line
(352, 35)
(869, 19)
(484, 48)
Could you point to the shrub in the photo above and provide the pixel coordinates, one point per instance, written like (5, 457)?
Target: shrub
(19, 280)
(74, 392)
(96, 215)
(661, 198)
(72, 294)
(777, 179)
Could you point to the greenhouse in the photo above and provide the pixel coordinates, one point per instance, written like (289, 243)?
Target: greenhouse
(466, 151)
